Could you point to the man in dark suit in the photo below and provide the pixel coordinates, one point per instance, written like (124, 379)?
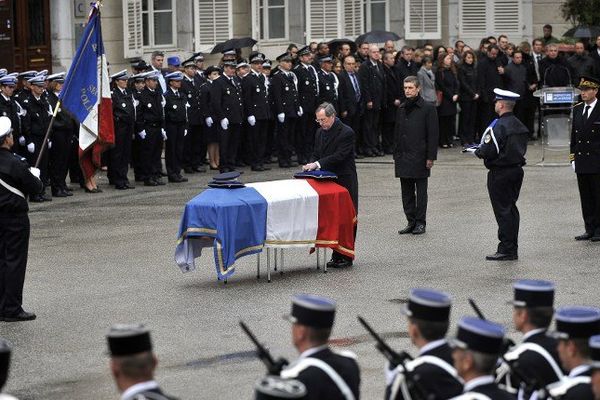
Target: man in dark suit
(585, 140)
(428, 313)
(555, 70)
(308, 92)
(394, 95)
(334, 151)
(351, 103)
(327, 374)
(372, 83)
(405, 65)
(489, 77)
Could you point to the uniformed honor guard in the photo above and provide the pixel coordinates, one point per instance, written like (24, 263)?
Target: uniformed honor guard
(287, 105)
(257, 110)
(536, 358)
(194, 151)
(25, 91)
(138, 84)
(585, 158)
(228, 109)
(175, 125)
(594, 344)
(17, 181)
(211, 133)
(503, 147)
(150, 129)
(5, 353)
(575, 325)
(275, 388)
(328, 82)
(308, 93)
(477, 346)
(11, 109)
(428, 313)
(201, 75)
(124, 116)
(328, 375)
(132, 363)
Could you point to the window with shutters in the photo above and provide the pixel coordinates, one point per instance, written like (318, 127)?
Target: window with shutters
(273, 19)
(353, 18)
(132, 29)
(423, 19)
(479, 18)
(158, 23)
(324, 19)
(376, 12)
(213, 22)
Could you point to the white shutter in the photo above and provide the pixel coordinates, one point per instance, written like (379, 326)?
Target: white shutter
(132, 29)
(473, 18)
(423, 19)
(353, 18)
(213, 22)
(507, 17)
(324, 19)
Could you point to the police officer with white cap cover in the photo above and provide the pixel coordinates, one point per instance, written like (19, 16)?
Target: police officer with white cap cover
(124, 116)
(17, 181)
(5, 353)
(503, 146)
(328, 375)
(594, 344)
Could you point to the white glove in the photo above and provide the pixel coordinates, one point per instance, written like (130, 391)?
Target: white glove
(300, 111)
(164, 133)
(185, 132)
(573, 165)
(22, 140)
(208, 121)
(224, 124)
(142, 134)
(49, 144)
(252, 120)
(35, 172)
(281, 117)
(390, 374)
(31, 147)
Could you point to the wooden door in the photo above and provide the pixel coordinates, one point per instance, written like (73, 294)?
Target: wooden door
(31, 30)
(6, 35)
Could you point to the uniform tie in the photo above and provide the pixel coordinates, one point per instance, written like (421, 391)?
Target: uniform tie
(586, 111)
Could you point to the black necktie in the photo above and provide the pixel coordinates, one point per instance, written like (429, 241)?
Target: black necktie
(586, 113)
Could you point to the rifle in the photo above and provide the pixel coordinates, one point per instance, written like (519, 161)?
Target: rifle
(415, 388)
(274, 367)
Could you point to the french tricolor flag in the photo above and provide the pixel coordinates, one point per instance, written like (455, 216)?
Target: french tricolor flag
(86, 94)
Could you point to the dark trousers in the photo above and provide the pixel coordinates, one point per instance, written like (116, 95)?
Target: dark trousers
(528, 107)
(371, 131)
(75, 173)
(504, 185)
(14, 244)
(174, 147)
(59, 158)
(486, 116)
(228, 146)
(257, 139)
(447, 125)
(194, 151)
(32, 158)
(157, 166)
(387, 137)
(285, 137)
(353, 121)
(120, 155)
(589, 193)
(468, 121)
(305, 136)
(150, 146)
(414, 199)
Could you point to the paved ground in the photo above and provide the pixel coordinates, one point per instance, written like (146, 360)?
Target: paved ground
(100, 259)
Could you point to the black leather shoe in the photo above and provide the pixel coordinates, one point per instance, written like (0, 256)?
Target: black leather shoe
(121, 187)
(129, 186)
(419, 230)
(36, 199)
(199, 169)
(150, 182)
(501, 257)
(585, 236)
(22, 316)
(175, 179)
(332, 263)
(189, 170)
(94, 190)
(409, 228)
(159, 181)
(45, 197)
(183, 179)
(59, 193)
(342, 264)
(595, 238)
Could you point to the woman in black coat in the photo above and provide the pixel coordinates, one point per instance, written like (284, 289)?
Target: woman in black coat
(447, 83)
(468, 96)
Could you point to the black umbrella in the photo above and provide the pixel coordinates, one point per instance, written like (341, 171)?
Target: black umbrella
(376, 37)
(583, 31)
(335, 44)
(235, 43)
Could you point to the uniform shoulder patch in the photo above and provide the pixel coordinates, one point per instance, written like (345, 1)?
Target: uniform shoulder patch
(488, 138)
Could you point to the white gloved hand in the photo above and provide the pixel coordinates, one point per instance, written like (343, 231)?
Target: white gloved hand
(22, 140)
(281, 117)
(300, 111)
(573, 165)
(164, 133)
(224, 124)
(252, 120)
(142, 134)
(49, 144)
(35, 172)
(390, 374)
(185, 132)
(31, 147)
(208, 121)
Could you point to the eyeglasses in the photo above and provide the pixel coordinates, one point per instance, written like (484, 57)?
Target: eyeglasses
(320, 121)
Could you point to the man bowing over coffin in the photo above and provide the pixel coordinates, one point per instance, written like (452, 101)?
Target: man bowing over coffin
(334, 151)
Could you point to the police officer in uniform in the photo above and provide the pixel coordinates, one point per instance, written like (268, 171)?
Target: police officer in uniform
(228, 109)
(428, 313)
(137, 85)
(476, 348)
(308, 93)
(11, 109)
(328, 82)
(575, 325)
(17, 181)
(503, 147)
(25, 91)
(175, 125)
(327, 374)
(284, 86)
(585, 158)
(194, 152)
(150, 129)
(536, 357)
(594, 344)
(5, 353)
(211, 133)
(124, 116)
(131, 345)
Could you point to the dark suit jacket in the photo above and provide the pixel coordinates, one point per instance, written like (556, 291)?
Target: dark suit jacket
(585, 140)
(372, 83)
(347, 98)
(307, 87)
(488, 78)
(226, 100)
(394, 90)
(255, 97)
(192, 91)
(285, 95)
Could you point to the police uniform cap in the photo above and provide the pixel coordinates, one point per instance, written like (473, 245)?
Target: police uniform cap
(284, 57)
(256, 57)
(189, 63)
(274, 387)
(589, 82)
(27, 74)
(139, 77)
(266, 64)
(326, 58)
(211, 69)
(3, 72)
(58, 77)
(120, 76)
(227, 176)
(198, 56)
(243, 63)
(174, 61)
(8, 80)
(13, 74)
(5, 352)
(594, 344)
(312, 310)
(533, 293)
(507, 95)
(577, 322)
(174, 76)
(229, 52)
(5, 126)
(428, 305)
(37, 80)
(230, 63)
(479, 335)
(128, 339)
(151, 75)
(304, 51)
(140, 65)
(43, 72)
